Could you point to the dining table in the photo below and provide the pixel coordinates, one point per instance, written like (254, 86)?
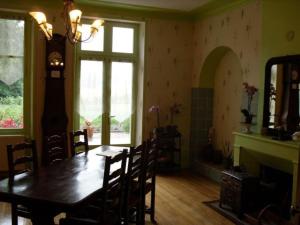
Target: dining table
(60, 187)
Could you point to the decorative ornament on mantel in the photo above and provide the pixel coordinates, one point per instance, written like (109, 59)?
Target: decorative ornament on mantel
(71, 17)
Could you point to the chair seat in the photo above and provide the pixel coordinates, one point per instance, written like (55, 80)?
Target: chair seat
(90, 215)
(77, 221)
(87, 221)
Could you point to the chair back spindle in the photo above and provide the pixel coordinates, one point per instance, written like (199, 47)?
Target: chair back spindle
(19, 164)
(77, 145)
(56, 148)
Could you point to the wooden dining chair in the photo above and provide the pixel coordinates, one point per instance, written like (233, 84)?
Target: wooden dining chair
(134, 188)
(77, 144)
(150, 176)
(20, 161)
(56, 148)
(105, 209)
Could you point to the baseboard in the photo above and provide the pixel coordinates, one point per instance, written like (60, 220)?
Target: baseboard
(209, 170)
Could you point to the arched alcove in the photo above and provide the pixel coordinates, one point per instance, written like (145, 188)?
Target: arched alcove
(209, 66)
(217, 100)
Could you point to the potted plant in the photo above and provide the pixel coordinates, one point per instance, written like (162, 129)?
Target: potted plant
(250, 91)
(89, 128)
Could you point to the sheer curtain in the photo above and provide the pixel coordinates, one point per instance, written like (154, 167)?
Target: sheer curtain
(91, 79)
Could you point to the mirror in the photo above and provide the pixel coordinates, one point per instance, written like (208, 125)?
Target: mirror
(281, 96)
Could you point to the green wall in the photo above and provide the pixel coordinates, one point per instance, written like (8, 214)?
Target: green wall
(280, 19)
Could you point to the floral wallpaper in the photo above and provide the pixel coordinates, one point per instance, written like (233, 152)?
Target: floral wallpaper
(227, 99)
(240, 31)
(168, 69)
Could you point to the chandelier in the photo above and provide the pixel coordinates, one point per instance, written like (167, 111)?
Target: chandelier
(71, 17)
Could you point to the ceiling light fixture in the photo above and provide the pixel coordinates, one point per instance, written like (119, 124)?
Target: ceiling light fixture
(72, 19)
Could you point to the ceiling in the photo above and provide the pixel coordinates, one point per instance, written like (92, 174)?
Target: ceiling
(182, 5)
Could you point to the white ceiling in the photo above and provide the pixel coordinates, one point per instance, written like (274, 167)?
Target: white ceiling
(184, 5)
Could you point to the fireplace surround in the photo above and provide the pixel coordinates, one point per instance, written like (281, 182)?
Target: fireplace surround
(254, 150)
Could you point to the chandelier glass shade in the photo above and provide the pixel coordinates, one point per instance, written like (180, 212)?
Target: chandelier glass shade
(72, 18)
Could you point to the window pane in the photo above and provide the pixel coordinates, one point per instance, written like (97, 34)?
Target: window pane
(121, 103)
(94, 43)
(11, 73)
(12, 37)
(90, 105)
(123, 40)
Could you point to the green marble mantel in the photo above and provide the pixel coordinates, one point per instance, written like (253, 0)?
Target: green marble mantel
(251, 150)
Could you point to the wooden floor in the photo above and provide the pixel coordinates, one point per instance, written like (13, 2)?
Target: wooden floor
(178, 202)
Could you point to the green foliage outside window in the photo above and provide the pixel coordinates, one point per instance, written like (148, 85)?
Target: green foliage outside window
(11, 73)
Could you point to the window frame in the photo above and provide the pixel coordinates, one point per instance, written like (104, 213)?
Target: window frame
(107, 57)
(28, 123)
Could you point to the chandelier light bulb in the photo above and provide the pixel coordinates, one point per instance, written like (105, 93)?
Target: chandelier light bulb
(72, 19)
(49, 29)
(40, 17)
(75, 16)
(78, 33)
(96, 26)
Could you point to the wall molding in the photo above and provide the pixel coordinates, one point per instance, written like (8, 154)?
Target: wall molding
(217, 7)
(212, 8)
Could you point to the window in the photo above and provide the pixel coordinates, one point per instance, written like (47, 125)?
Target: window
(14, 75)
(106, 81)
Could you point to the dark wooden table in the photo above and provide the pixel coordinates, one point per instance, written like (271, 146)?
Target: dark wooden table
(60, 187)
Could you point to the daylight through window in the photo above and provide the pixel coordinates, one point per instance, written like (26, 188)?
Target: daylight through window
(11, 73)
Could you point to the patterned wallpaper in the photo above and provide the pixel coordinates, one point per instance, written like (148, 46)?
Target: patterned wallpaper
(227, 99)
(240, 31)
(168, 69)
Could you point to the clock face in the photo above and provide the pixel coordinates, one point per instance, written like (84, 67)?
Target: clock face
(55, 59)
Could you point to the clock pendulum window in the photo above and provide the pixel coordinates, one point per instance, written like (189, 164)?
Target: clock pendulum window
(54, 119)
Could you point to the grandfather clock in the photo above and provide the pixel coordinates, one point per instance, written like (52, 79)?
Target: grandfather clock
(54, 120)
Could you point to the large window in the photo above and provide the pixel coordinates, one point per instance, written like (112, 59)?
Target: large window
(12, 39)
(106, 81)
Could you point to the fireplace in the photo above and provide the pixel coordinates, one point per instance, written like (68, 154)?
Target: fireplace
(276, 188)
(260, 153)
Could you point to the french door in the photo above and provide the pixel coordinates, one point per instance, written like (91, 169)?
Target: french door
(106, 101)
(104, 90)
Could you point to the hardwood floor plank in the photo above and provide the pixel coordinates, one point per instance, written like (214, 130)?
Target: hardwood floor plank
(179, 200)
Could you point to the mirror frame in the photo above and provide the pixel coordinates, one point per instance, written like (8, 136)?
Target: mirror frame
(266, 107)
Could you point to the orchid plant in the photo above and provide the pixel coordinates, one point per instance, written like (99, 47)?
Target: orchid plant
(250, 90)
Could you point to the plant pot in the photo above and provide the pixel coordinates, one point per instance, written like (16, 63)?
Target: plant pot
(90, 132)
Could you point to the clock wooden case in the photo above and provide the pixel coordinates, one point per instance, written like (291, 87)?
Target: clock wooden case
(54, 120)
